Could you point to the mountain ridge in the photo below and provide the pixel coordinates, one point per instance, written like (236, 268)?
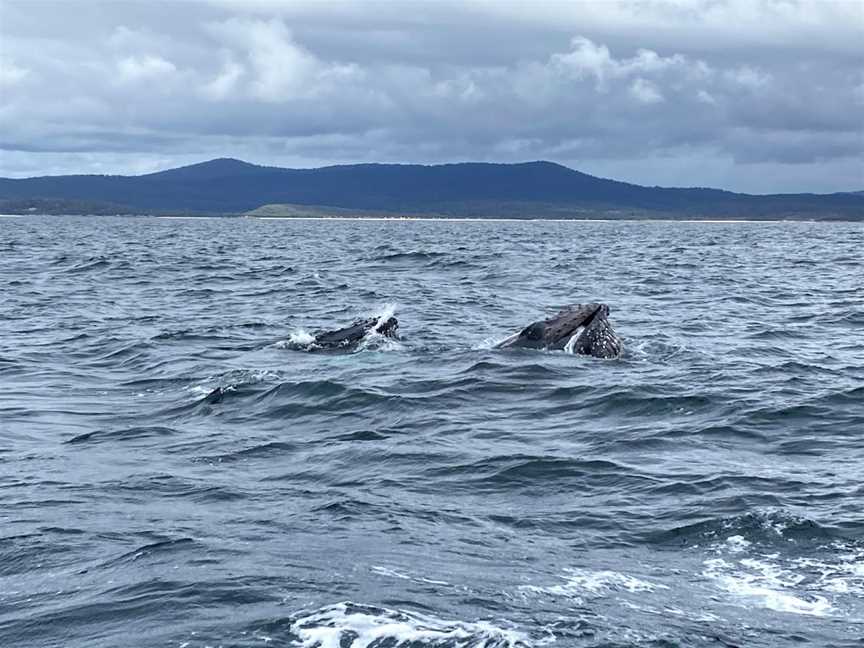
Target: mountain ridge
(230, 185)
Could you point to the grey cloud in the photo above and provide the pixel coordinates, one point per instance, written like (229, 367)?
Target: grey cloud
(731, 83)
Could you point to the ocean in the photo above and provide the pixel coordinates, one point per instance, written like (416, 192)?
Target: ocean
(705, 489)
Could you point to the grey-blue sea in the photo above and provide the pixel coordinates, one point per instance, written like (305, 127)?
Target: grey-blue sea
(706, 489)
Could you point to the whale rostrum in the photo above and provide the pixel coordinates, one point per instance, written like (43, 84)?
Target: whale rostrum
(579, 328)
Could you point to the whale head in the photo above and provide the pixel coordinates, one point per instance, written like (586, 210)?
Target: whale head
(350, 336)
(579, 328)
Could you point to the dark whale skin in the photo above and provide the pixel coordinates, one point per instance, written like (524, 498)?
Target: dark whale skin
(582, 329)
(350, 336)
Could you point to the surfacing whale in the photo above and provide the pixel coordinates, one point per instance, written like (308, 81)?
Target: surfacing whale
(579, 328)
(349, 337)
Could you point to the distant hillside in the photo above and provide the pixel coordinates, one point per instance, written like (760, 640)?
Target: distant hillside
(525, 190)
(60, 206)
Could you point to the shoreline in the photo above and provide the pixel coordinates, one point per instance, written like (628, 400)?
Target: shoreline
(536, 220)
(454, 219)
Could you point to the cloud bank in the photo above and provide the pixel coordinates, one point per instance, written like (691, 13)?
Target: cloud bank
(752, 96)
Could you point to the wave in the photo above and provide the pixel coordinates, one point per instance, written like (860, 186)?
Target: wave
(266, 450)
(579, 583)
(224, 480)
(123, 434)
(764, 528)
(353, 625)
(158, 549)
(210, 332)
(527, 371)
(172, 487)
(765, 583)
(824, 579)
(90, 264)
(777, 561)
(416, 255)
(506, 472)
(232, 381)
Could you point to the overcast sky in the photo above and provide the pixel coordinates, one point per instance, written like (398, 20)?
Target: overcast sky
(749, 95)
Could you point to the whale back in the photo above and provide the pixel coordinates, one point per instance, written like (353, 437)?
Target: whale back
(353, 334)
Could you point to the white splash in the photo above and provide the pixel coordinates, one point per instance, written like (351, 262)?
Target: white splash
(387, 311)
(737, 543)
(301, 337)
(373, 340)
(349, 625)
(759, 582)
(845, 575)
(297, 339)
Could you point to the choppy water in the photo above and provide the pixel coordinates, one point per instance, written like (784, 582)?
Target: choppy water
(704, 490)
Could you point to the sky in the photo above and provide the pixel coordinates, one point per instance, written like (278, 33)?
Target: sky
(758, 96)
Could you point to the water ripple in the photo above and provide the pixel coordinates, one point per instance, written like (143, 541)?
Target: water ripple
(174, 472)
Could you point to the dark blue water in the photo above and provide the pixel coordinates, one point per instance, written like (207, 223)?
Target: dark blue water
(704, 490)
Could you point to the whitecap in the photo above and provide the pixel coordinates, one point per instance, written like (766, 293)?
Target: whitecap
(350, 625)
(764, 583)
(582, 582)
(842, 575)
(737, 543)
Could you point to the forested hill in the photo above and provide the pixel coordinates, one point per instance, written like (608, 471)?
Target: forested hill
(467, 189)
